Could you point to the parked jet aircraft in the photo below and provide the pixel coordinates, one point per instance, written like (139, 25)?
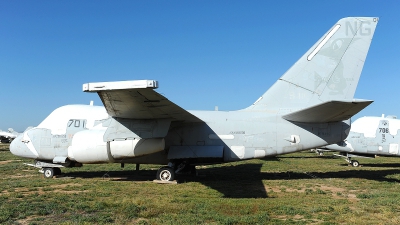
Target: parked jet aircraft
(368, 137)
(308, 107)
(8, 136)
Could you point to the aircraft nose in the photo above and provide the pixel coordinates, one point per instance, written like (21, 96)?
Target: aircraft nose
(19, 148)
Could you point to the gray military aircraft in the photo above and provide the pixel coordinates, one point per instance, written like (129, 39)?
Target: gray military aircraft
(369, 137)
(308, 107)
(8, 136)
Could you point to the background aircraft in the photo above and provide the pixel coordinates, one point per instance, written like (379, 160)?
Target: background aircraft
(8, 136)
(308, 107)
(368, 137)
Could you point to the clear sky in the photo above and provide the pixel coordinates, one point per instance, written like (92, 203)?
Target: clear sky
(203, 53)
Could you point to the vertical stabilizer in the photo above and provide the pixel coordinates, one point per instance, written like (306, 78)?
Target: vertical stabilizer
(329, 70)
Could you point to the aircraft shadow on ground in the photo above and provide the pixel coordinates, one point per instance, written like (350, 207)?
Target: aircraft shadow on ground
(240, 181)
(243, 181)
(309, 157)
(380, 165)
(375, 175)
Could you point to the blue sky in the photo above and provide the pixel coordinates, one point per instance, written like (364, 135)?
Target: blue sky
(203, 53)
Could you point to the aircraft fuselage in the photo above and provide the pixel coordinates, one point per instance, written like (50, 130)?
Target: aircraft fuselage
(222, 137)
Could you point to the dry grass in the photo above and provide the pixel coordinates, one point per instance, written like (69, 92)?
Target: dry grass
(300, 188)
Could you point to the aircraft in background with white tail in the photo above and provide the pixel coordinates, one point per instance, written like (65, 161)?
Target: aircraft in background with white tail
(8, 136)
(370, 136)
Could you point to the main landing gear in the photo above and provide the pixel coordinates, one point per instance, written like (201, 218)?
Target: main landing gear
(167, 173)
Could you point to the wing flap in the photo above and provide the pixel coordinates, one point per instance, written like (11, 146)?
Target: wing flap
(137, 100)
(332, 111)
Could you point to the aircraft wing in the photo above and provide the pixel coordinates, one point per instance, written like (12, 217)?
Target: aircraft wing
(137, 100)
(331, 111)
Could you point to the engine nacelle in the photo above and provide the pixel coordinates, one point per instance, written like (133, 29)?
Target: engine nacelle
(132, 148)
(88, 146)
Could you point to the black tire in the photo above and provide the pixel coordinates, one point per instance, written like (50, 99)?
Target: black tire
(48, 172)
(165, 174)
(193, 170)
(57, 171)
(355, 163)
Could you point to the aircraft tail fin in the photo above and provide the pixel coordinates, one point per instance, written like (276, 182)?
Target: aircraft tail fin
(328, 71)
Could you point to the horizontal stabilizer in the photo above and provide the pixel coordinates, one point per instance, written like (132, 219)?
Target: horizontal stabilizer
(332, 111)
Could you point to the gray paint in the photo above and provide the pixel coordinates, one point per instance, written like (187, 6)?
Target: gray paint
(322, 86)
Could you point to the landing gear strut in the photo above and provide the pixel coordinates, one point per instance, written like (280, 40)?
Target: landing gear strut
(354, 163)
(347, 158)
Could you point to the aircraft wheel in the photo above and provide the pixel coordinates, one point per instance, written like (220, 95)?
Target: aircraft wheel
(166, 173)
(320, 153)
(57, 171)
(48, 172)
(354, 163)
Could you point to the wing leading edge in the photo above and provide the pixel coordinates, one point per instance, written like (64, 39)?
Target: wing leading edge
(137, 100)
(332, 111)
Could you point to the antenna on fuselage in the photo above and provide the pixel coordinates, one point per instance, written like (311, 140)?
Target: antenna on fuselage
(91, 103)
